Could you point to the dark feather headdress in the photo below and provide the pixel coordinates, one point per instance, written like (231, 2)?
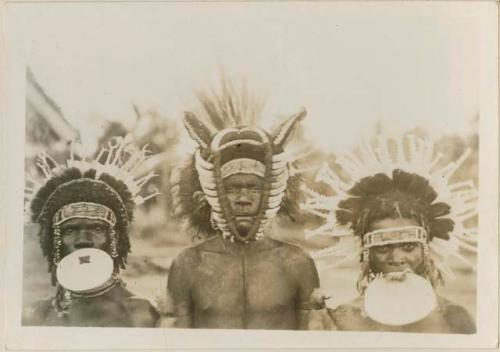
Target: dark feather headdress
(405, 195)
(226, 132)
(107, 187)
(396, 178)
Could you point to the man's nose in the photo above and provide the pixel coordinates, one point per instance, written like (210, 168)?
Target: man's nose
(243, 198)
(84, 240)
(396, 256)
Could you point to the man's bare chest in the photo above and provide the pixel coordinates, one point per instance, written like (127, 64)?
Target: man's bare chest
(255, 282)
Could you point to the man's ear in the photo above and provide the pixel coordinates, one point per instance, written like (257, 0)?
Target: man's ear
(198, 131)
(283, 132)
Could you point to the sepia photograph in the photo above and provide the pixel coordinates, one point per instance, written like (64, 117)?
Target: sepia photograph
(251, 175)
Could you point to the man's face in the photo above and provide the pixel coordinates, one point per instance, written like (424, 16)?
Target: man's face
(244, 192)
(396, 257)
(84, 233)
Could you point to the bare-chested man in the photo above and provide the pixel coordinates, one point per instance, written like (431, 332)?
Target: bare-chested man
(89, 205)
(410, 218)
(235, 184)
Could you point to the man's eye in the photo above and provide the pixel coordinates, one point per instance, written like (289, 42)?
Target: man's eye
(409, 246)
(381, 250)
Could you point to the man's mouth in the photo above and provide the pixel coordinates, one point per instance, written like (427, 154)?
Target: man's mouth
(397, 267)
(397, 275)
(244, 217)
(84, 245)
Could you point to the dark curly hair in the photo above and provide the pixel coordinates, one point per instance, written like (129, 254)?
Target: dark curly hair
(73, 186)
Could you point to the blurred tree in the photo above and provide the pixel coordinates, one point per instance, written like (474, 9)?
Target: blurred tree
(159, 134)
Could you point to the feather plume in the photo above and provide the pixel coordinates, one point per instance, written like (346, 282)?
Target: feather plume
(398, 177)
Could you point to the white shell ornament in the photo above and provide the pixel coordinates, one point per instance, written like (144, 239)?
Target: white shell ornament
(399, 302)
(85, 269)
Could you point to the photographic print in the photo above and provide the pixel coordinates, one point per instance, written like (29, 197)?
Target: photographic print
(206, 174)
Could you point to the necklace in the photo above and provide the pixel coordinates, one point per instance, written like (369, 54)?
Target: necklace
(63, 297)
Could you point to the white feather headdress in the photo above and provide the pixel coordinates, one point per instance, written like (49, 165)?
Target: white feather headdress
(413, 155)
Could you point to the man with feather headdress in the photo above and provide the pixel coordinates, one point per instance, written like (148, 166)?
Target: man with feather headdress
(84, 209)
(408, 218)
(236, 182)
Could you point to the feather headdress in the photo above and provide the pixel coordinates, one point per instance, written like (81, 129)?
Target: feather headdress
(229, 142)
(396, 178)
(107, 188)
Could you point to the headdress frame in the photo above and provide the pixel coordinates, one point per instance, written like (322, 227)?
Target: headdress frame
(201, 174)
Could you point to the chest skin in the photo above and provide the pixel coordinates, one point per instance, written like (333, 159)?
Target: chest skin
(259, 285)
(92, 312)
(116, 308)
(246, 289)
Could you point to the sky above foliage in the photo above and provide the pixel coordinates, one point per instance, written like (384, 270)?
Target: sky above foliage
(350, 65)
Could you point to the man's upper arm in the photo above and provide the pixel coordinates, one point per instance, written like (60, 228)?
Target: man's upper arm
(308, 278)
(141, 313)
(459, 320)
(305, 274)
(179, 303)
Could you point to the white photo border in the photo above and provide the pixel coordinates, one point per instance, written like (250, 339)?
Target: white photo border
(18, 337)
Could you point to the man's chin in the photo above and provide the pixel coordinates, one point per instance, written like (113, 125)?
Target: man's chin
(242, 229)
(243, 225)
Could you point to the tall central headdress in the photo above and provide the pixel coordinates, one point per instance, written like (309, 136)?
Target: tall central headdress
(106, 189)
(396, 178)
(230, 144)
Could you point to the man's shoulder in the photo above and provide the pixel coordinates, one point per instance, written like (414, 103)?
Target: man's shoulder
(290, 250)
(348, 315)
(140, 310)
(42, 304)
(37, 312)
(447, 305)
(354, 305)
(191, 253)
(458, 317)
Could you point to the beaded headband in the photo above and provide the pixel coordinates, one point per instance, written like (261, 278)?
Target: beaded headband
(84, 210)
(91, 186)
(243, 166)
(404, 234)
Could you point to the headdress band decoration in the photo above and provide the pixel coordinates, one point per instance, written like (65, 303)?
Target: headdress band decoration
(385, 237)
(84, 210)
(243, 166)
